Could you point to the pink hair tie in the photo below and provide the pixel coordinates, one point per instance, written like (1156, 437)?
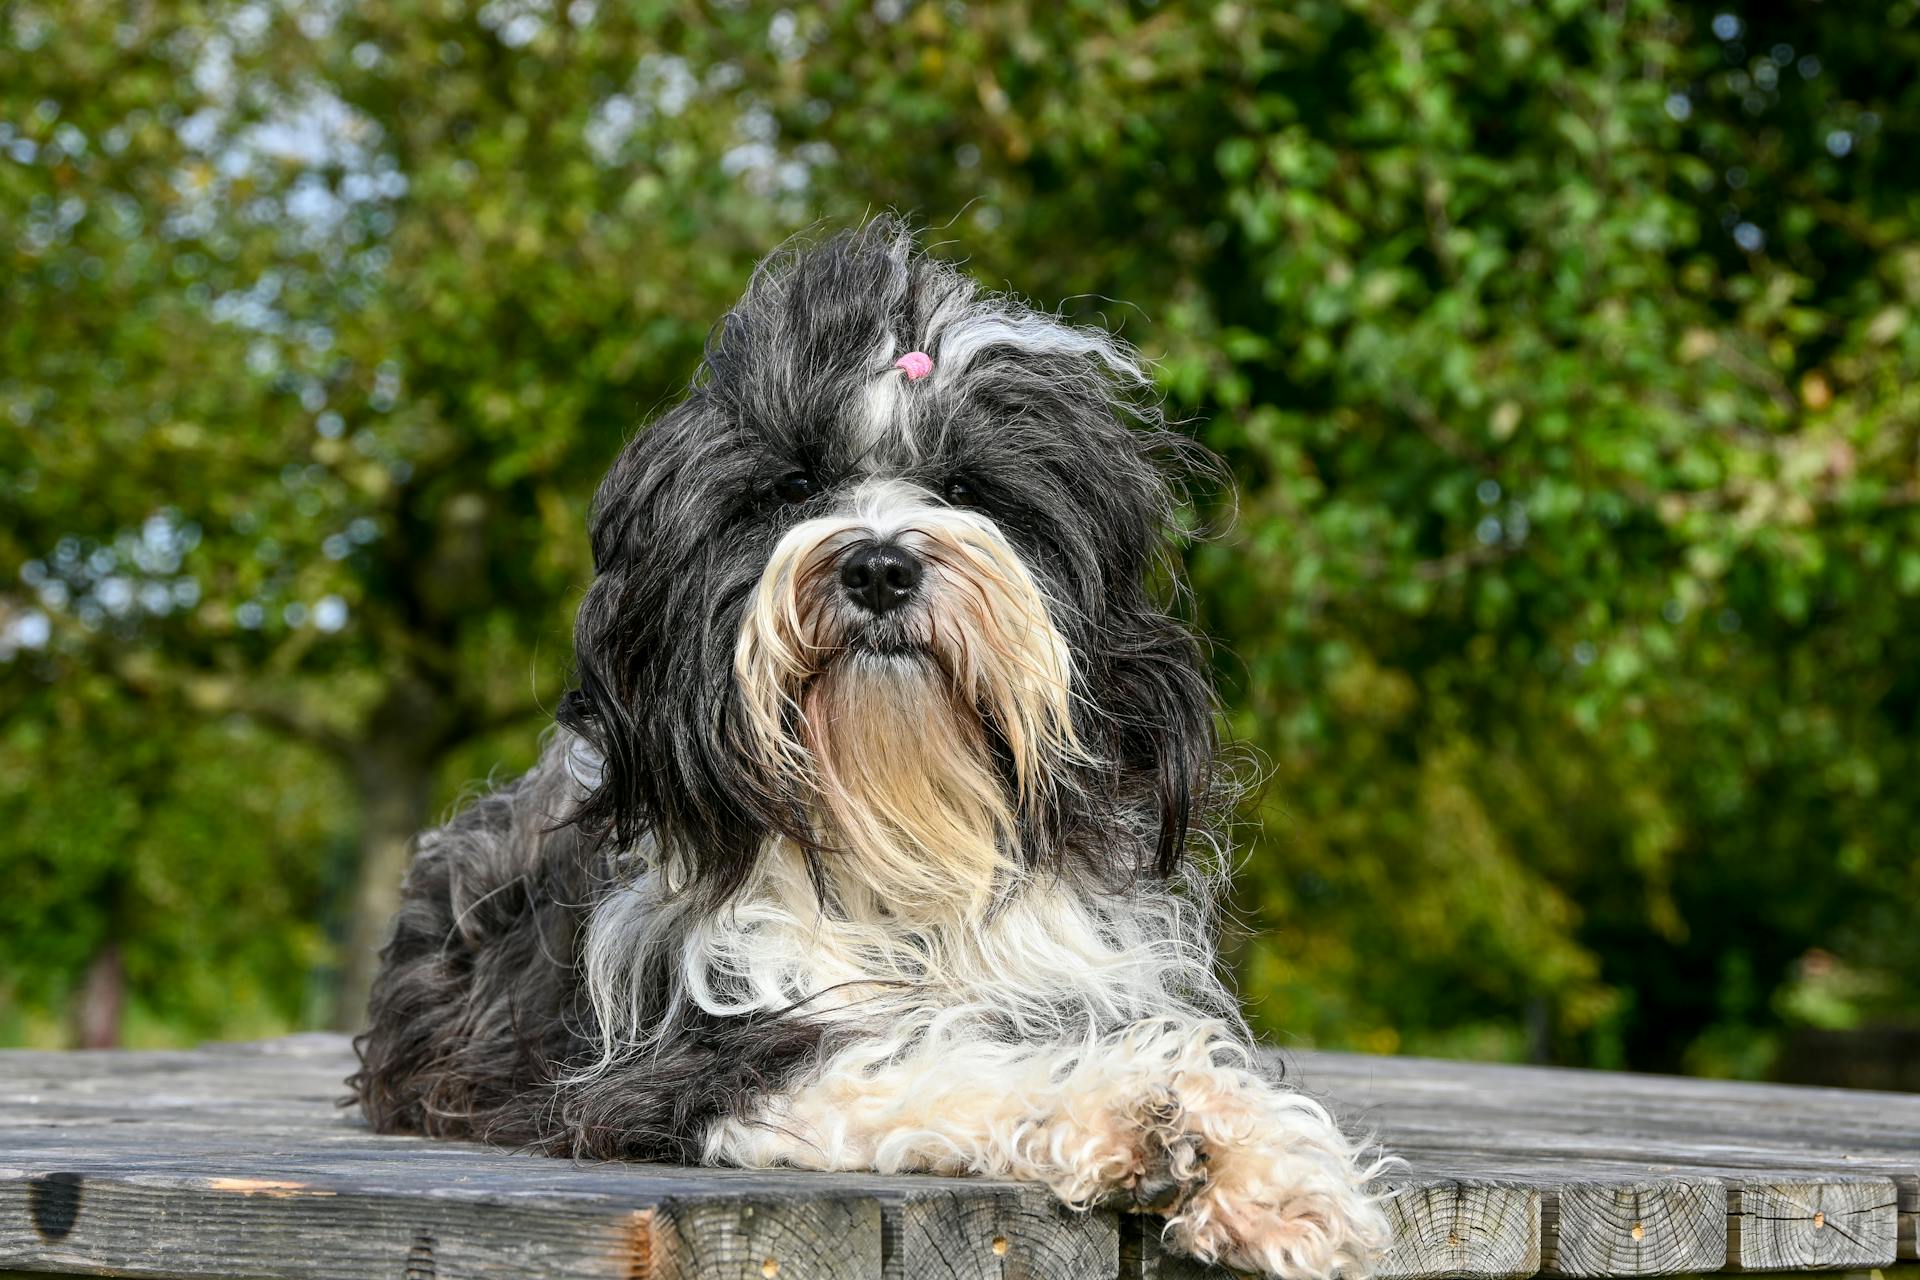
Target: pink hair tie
(915, 364)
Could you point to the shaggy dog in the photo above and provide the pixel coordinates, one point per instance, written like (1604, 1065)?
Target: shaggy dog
(863, 841)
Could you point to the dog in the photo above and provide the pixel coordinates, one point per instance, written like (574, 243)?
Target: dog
(882, 829)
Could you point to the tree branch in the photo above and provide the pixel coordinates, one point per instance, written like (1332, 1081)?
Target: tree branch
(213, 694)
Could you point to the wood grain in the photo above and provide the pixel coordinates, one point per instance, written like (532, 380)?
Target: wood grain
(1018, 1235)
(1748, 1136)
(235, 1161)
(1638, 1227)
(1810, 1226)
(758, 1239)
(1470, 1226)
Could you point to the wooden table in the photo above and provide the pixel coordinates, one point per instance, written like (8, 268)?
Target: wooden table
(233, 1160)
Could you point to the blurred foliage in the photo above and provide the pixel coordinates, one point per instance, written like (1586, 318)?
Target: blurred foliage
(1564, 354)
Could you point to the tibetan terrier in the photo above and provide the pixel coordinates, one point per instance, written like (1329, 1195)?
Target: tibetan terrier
(867, 839)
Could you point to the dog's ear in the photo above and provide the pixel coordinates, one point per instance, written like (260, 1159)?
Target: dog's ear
(653, 673)
(599, 709)
(594, 714)
(646, 701)
(1154, 680)
(1163, 707)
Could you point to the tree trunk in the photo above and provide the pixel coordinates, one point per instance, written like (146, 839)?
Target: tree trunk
(96, 1013)
(394, 778)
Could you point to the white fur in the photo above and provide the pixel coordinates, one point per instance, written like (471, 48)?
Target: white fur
(1068, 1038)
(1266, 1180)
(886, 396)
(1036, 334)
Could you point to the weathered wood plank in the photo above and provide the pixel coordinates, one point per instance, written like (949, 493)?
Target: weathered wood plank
(1765, 1107)
(1598, 1219)
(1643, 1227)
(1463, 1227)
(760, 1239)
(1744, 1133)
(1846, 1221)
(1731, 1161)
(1474, 1228)
(966, 1226)
(252, 1228)
(1818, 1227)
(258, 1226)
(234, 1161)
(1738, 1165)
(1023, 1235)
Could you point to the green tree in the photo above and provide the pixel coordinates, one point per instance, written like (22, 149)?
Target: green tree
(1563, 353)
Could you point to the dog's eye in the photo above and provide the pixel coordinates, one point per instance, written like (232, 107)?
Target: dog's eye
(960, 494)
(795, 486)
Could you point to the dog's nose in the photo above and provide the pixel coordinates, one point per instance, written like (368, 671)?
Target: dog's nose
(880, 576)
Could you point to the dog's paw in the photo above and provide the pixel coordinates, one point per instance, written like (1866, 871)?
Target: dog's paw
(1244, 1178)
(1172, 1160)
(1272, 1212)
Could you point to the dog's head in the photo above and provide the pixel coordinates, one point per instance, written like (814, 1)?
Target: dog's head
(882, 587)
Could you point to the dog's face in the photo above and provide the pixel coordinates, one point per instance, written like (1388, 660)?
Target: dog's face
(879, 588)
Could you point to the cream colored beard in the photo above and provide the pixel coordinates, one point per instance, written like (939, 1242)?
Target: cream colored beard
(906, 790)
(890, 753)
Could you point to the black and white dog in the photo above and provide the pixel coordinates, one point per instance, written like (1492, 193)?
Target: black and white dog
(864, 841)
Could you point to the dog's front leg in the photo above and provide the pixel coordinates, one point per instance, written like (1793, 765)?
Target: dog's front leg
(1165, 1118)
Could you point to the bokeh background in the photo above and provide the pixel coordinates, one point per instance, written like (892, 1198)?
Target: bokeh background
(1565, 354)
